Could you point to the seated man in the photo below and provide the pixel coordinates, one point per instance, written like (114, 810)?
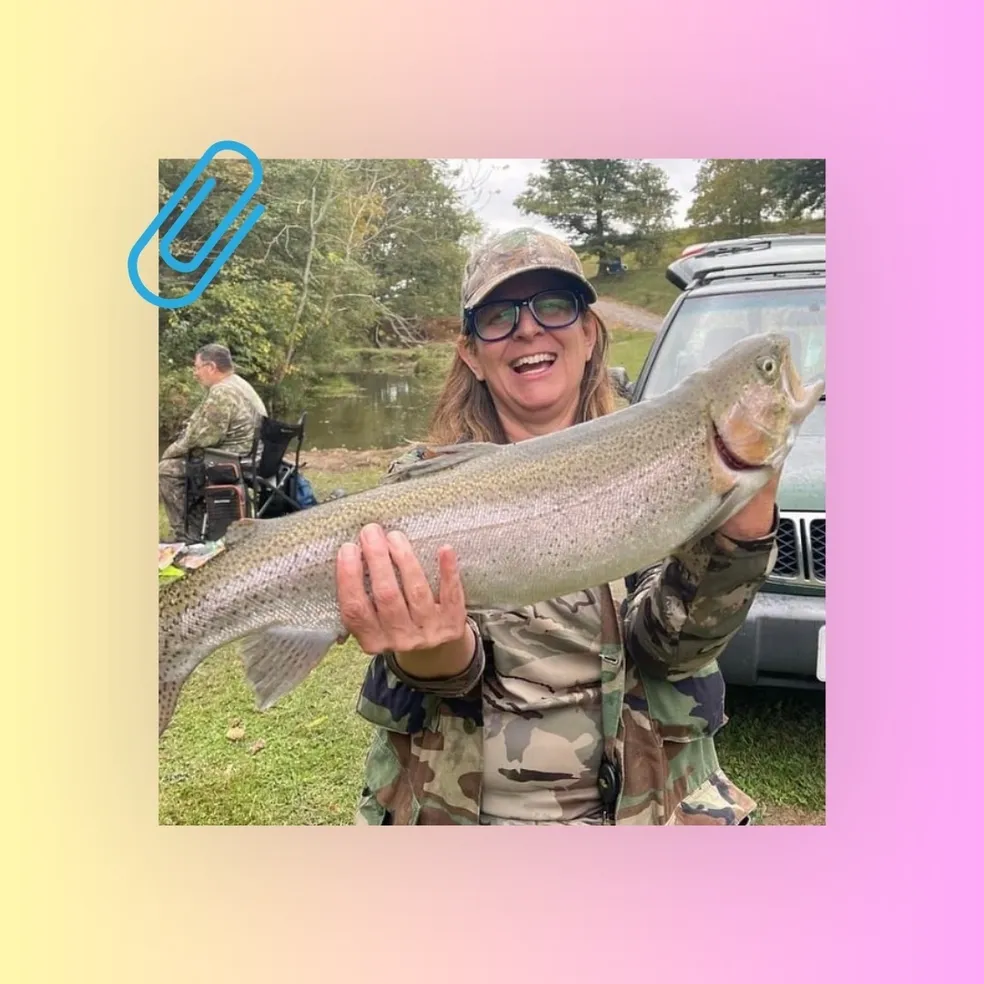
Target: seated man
(226, 419)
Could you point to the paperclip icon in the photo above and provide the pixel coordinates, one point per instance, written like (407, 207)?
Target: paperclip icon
(164, 247)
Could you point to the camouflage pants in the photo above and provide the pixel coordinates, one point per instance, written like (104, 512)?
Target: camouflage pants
(171, 485)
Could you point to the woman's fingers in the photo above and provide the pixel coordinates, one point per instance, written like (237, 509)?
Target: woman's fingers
(451, 593)
(416, 590)
(399, 612)
(387, 595)
(357, 611)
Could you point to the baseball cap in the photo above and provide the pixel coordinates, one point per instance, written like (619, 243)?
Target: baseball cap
(518, 251)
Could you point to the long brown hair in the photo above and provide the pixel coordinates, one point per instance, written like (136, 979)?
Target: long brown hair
(465, 411)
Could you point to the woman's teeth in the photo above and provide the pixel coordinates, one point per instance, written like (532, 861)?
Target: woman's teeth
(534, 363)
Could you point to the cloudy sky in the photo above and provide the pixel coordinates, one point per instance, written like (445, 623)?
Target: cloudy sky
(500, 181)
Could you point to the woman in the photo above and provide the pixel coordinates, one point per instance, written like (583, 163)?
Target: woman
(572, 711)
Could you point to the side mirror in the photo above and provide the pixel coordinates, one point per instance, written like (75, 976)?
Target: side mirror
(620, 380)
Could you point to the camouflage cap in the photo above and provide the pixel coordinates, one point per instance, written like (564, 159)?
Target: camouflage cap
(518, 251)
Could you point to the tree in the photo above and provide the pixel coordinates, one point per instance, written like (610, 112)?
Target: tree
(733, 196)
(799, 186)
(605, 206)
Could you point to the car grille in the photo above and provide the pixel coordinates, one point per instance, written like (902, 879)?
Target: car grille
(802, 540)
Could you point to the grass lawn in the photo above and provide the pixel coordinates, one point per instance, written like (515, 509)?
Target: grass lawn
(645, 288)
(222, 762)
(629, 349)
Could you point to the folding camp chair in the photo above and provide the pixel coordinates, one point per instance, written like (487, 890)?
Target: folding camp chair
(270, 476)
(225, 486)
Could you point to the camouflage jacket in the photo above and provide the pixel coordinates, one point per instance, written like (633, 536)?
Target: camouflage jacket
(662, 696)
(225, 419)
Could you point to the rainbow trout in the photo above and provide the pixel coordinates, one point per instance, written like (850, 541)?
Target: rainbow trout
(531, 521)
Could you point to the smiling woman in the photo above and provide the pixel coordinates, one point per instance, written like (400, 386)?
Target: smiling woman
(570, 711)
(531, 358)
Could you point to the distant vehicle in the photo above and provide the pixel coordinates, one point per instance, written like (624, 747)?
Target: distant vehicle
(730, 289)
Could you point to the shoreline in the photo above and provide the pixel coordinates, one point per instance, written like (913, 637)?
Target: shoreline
(342, 460)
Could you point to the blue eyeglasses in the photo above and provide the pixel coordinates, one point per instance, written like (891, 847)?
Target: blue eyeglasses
(497, 320)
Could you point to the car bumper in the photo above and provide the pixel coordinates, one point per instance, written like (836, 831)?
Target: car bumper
(778, 642)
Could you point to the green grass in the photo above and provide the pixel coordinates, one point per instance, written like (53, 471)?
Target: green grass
(434, 360)
(644, 288)
(354, 480)
(629, 349)
(773, 747)
(309, 770)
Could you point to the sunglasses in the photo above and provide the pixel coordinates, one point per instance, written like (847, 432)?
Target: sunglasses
(497, 320)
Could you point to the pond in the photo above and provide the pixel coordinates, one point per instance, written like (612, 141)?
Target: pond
(362, 410)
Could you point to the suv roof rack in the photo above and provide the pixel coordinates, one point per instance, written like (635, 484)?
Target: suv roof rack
(780, 250)
(778, 269)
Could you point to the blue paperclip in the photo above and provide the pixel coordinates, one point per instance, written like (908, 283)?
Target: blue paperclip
(164, 247)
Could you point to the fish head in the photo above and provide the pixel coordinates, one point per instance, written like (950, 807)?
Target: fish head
(757, 403)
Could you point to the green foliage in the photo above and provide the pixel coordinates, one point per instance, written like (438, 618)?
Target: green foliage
(743, 197)
(607, 206)
(800, 186)
(732, 196)
(348, 253)
(178, 394)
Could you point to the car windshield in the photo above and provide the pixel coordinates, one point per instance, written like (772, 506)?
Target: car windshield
(705, 327)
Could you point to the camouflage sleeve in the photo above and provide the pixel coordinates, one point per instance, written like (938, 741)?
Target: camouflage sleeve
(680, 615)
(207, 426)
(456, 686)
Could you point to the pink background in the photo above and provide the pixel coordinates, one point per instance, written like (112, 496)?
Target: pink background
(97, 94)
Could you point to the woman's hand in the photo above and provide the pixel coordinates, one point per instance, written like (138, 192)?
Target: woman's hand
(755, 520)
(429, 636)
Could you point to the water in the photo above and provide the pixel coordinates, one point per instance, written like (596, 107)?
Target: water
(383, 411)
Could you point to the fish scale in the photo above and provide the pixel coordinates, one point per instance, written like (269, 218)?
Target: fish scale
(530, 521)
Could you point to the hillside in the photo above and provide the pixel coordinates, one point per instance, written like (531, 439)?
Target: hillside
(647, 286)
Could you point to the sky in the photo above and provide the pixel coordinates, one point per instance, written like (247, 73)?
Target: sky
(504, 179)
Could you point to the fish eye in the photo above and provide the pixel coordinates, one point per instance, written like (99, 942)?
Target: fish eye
(769, 366)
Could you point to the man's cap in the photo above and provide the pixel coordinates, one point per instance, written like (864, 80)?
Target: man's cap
(518, 251)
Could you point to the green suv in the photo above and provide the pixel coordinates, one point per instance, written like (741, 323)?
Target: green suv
(731, 289)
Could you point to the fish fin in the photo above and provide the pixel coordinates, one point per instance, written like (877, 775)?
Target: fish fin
(279, 658)
(240, 530)
(439, 458)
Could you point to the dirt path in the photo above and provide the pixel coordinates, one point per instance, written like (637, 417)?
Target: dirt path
(618, 314)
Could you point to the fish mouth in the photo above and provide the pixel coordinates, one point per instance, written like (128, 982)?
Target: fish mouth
(731, 461)
(802, 398)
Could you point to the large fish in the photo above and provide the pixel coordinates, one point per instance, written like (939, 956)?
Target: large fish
(530, 521)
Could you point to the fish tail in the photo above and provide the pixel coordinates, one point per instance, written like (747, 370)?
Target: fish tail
(276, 659)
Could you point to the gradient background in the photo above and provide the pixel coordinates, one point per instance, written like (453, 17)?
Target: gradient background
(94, 95)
